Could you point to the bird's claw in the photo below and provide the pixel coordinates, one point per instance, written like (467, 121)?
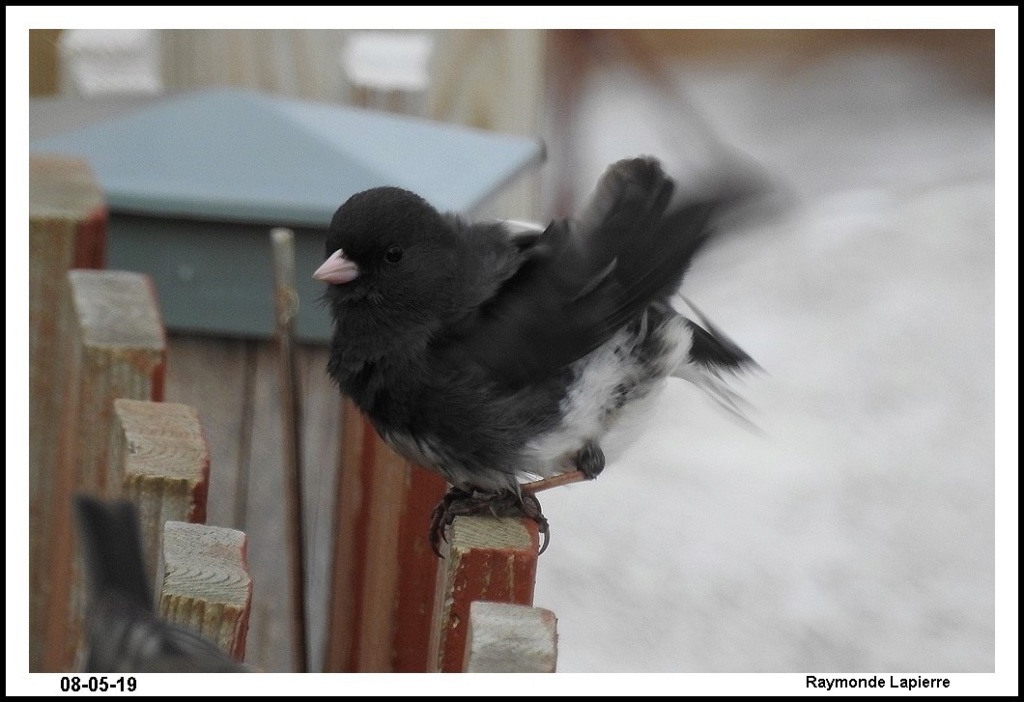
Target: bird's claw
(453, 504)
(530, 507)
(459, 503)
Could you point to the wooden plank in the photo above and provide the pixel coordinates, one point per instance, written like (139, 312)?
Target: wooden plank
(67, 228)
(570, 70)
(321, 414)
(265, 526)
(206, 585)
(216, 376)
(488, 559)
(411, 632)
(114, 342)
(508, 638)
(466, 67)
(225, 379)
(162, 464)
(67, 218)
(383, 572)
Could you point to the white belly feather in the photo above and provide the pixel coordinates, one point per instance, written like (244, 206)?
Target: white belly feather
(595, 407)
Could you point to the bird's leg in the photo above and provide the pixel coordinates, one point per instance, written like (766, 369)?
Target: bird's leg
(590, 460)
(459, 503)
(530, 506)
(573, 476)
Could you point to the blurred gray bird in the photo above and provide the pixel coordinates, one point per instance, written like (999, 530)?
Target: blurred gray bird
(490, 352)
(123, 632)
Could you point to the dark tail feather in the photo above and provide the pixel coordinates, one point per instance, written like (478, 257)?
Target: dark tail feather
(713, 349)
(124, 634)
(113, 550)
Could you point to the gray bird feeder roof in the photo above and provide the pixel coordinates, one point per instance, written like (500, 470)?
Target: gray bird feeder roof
(236, 155)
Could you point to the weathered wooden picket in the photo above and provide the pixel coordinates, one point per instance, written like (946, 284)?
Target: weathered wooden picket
(97, 426)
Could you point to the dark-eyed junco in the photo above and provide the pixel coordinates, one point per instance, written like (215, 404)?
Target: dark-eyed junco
(123, 632)
(494, 353)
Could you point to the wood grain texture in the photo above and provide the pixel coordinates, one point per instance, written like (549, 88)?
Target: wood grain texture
(206, 584)
(67, 228)
(111, 330)
(264, 522)
(215, 376)
(233, 384)
(488, 559)
(161, 463)
(383, 572)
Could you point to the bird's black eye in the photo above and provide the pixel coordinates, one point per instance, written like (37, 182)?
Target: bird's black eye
(393, 254)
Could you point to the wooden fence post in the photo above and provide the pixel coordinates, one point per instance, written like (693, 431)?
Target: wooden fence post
(97, 342)
(508, 638)
(383, 571)
(67, 229)
(111, 346)
(205, 583)
(161, 463)
(488, 559)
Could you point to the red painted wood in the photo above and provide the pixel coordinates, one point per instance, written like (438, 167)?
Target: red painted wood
(384, 573)
(489, 559)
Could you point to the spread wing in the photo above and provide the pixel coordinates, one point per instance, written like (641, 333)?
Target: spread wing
(563, 292)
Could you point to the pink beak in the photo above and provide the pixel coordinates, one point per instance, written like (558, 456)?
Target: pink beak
(337, 269)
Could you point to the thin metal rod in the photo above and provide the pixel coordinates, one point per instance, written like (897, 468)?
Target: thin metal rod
(286, 304)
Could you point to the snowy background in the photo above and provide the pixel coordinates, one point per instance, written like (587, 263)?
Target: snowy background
(855, 531)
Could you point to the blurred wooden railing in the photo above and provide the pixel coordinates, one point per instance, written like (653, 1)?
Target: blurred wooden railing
(97, 426)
